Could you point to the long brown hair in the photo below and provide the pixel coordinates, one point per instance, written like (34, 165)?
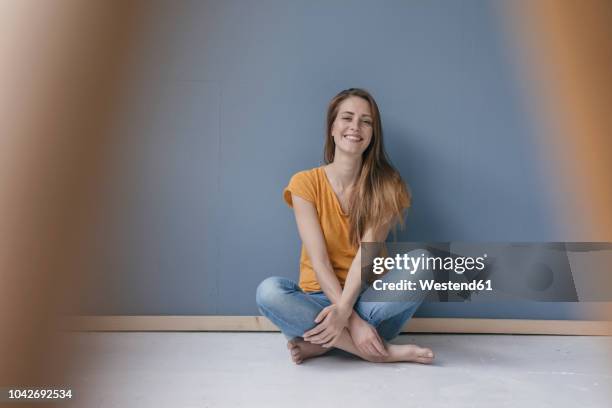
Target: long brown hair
(379, 192)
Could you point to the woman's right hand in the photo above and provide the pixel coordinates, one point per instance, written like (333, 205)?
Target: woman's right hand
(366, 337)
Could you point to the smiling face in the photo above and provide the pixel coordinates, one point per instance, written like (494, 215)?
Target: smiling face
(352, 128)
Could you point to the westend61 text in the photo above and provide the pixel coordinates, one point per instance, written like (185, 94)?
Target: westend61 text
(431, 284)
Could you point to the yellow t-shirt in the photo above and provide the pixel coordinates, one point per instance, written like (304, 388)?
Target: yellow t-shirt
(313, 185)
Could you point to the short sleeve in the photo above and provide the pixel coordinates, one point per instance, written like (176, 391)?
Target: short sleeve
(301, 184)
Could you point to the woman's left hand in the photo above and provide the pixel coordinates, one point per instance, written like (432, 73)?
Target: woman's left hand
(332, 320)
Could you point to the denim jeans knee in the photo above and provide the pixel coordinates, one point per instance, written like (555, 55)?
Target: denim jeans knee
(269, 290)
(283, 302)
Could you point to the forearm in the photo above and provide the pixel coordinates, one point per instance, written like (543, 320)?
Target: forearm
(330, 285)
(352, 285)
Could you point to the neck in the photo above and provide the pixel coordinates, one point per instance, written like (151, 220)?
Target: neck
(344, 169)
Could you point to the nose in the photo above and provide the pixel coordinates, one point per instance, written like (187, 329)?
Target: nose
(355, 124)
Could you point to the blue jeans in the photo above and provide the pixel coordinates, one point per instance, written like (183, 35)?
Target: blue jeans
(293, 311)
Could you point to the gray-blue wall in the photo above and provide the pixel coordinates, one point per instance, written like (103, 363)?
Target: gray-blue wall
(227, 100)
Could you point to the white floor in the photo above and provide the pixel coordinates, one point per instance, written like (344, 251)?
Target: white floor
(253, 369)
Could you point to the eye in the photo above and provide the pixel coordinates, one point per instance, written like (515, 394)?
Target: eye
(347, 118)
(368, 122)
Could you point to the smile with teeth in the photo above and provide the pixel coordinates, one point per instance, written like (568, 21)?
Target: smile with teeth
(353, 138)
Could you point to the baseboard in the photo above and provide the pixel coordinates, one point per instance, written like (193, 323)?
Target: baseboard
(261, 324)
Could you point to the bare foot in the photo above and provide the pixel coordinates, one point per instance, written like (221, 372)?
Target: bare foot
(302, 350)
(409, 353)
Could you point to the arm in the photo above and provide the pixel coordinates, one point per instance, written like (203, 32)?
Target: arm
(334, 320)
(311, 234)
(352, 286)
(364, 335)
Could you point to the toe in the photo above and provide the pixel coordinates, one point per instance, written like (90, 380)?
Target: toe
(425, 356)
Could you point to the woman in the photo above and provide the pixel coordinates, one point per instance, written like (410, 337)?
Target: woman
(356, 197)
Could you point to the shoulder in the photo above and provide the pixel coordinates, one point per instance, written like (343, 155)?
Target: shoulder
(307, 176)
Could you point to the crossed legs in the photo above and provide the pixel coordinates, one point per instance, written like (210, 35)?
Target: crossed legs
(293, 311)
